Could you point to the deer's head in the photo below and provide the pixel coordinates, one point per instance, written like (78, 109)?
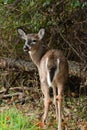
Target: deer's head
(31, 40)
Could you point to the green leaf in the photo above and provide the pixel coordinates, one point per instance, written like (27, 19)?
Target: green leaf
(76, 3)
(6, 1)
(84, 4)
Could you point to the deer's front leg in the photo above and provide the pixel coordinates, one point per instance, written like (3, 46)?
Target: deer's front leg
(47, 101)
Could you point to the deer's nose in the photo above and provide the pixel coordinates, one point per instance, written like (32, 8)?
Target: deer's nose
(26, 48)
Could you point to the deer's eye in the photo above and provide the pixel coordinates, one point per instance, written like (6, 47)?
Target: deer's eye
(34, 40)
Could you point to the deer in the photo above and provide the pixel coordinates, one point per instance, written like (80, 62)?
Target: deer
(52, 67)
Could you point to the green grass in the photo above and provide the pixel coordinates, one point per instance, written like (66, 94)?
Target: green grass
(27, 117)
(12, 119)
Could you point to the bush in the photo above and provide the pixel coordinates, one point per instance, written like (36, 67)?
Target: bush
(60, 18)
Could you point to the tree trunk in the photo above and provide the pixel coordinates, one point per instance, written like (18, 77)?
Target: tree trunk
(16, 64)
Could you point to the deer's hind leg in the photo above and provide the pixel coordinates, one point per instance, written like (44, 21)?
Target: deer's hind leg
(47, 101)
(55, 101)
(59, 105)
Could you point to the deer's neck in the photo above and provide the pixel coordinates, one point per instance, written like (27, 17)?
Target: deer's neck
(37, 54)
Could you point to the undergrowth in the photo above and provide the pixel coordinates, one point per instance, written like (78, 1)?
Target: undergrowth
(29, 115)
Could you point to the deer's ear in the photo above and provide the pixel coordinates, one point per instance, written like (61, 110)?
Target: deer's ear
(22, 34)
(41, 33)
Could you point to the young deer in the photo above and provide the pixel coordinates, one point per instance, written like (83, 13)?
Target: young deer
(52, 67)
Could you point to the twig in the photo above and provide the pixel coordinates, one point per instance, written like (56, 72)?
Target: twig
(10, 95)
(20, 89)
(69, 44)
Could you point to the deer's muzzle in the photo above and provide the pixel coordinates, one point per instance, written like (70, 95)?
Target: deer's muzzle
(26, 48)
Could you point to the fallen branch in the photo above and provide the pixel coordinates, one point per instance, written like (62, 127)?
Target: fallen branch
(11, 95)
(18, 89)
(17, 64)
(75, 68)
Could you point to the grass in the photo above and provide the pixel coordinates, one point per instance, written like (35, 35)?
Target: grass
(12, 119)
(27, 116)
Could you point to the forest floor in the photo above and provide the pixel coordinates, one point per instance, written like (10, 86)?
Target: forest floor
(74, 111)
